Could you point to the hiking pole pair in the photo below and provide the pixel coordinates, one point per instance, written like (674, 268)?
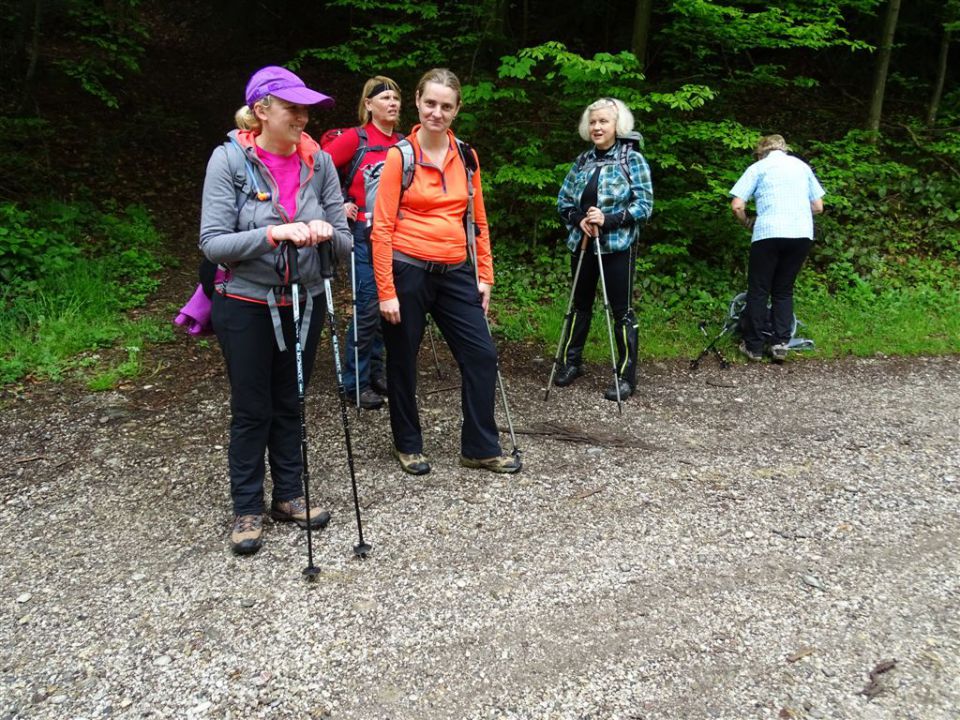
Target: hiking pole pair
(325, 252)
(569, 315)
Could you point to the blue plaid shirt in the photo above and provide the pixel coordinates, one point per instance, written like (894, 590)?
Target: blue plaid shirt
(631, 195)
(784, 187)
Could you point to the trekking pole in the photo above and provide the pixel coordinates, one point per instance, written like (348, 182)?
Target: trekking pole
(325, 251)
(433, 346)
(356, 317)
(566, 320)
(711, 347)
(310, 571)
(472, 250)
(608, 314)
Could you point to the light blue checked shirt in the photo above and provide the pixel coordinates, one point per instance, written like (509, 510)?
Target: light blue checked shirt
(616, 193)
(784, 187)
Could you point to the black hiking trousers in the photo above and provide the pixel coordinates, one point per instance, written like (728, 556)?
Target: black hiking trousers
(452, 299)
(265, 410)
(773, 269)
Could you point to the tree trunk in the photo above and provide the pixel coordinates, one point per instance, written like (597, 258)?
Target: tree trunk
(27, 98)
(883, 65)
(641, 30)
(938, 84)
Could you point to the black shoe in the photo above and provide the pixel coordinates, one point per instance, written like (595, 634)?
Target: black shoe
(369, 400)
(625, 390)
(566, 374)
(379, 385)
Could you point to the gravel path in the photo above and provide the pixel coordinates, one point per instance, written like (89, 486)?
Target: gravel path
(771, 538)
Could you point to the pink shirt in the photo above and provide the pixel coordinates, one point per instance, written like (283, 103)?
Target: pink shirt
(286, 172)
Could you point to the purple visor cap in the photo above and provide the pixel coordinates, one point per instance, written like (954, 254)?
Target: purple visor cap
(281, 83)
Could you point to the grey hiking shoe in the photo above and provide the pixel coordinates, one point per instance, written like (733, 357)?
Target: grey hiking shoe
(500, 464)
(750, 354)
(779, 351)
(247, 533)
(413, 463)
(295, 510)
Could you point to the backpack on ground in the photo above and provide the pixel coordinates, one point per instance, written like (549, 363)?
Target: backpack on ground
(363, 147)
(733, 327)
(627, 142)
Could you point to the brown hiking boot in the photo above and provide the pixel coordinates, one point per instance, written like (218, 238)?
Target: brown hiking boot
(295, 510)
(413, 463)
(500, 464)
(245, 539)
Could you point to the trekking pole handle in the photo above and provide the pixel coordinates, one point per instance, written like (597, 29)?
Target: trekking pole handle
(325, 252)
(293, 260)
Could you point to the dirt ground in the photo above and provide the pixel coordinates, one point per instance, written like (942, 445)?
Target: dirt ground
(757, 542)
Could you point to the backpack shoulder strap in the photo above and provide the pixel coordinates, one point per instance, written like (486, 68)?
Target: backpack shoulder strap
(237, 163)
(624, 157)
(581, 160)
(468, 157)
(351, 172)
(408, 163)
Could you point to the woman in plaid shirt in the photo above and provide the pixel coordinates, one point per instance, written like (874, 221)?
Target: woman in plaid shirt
(608, 192)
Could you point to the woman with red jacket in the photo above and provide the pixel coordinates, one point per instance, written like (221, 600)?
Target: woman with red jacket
(420, 259)
(353, 152)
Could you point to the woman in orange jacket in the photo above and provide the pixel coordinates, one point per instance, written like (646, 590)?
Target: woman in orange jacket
(421, 263)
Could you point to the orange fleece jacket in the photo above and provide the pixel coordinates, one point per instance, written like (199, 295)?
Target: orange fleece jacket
(427, 222)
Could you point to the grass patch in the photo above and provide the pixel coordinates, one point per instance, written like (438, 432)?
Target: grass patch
(67, 322)
(904, 321)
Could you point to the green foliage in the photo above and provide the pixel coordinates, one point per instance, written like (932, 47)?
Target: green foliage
(69, 274)
(108, 45)
(372, 48)
(702, 30)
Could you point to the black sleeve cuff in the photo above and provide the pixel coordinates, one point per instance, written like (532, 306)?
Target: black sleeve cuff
(613, 221)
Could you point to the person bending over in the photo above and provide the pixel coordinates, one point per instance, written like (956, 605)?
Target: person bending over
(787, 196)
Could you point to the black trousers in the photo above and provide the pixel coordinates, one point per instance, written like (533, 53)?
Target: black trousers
(618, 273)
(263, 398)
(618, 269)
(773, 269)
(453, 301)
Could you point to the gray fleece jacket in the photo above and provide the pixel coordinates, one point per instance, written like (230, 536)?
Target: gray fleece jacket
(237, 238)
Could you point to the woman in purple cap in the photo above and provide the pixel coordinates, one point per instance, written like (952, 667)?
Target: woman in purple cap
(269, 192)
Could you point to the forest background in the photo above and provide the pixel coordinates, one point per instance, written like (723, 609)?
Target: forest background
(113, 107)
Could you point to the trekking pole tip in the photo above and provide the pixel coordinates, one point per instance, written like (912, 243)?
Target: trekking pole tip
(361, 550)
(310, 573)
